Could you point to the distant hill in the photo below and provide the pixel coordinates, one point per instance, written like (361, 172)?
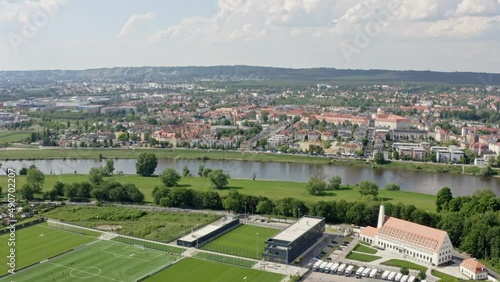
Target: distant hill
(235, 73)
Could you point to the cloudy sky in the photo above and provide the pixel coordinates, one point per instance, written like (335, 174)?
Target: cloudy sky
(447, 35)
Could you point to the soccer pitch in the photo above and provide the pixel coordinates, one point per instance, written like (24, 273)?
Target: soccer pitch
(242, 241)
(194, 270)
(39, 242)
(99, 261)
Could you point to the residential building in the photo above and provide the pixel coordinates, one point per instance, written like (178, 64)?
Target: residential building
(480, 162)
(473, 269)
(327, 136)
(275, 141)
(392, 121)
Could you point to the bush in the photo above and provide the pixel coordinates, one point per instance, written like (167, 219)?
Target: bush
(392, 187)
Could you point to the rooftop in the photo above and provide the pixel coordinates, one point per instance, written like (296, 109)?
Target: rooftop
(293, 232)
(474, 265)
(192, 236)
(413, 233)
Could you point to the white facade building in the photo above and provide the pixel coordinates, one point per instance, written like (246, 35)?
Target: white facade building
(473, 269)
(413, 241)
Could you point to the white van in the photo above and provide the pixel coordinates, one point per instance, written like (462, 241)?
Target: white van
(360, 271)
(366, 272)
(391, 276)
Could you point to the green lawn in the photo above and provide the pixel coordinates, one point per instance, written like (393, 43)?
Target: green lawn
(242, 241)
(364, 249)
(195, 270)
(225, 259)
(442, 275)
(156, 226)
(32, 247)
(271, 189)
(362, 257)
(13, 136)
(401, 263)
(101, 261)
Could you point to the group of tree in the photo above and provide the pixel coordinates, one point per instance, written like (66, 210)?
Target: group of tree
(96, 188)
(106, 191)
(218, 177)
(360, 213)
(317, 186)
(34, 183)
(472, 222)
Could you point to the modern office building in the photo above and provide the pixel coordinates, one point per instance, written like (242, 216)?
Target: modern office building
(287, 245)
(413, 241)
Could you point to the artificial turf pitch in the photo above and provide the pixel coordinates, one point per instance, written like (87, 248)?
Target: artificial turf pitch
(37, 243)
(242, 241)
(194, 270)
(99, 261)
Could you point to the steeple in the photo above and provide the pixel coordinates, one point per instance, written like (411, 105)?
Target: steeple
(381, 217)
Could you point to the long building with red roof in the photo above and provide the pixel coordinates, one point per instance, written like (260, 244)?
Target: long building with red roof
(414, 241)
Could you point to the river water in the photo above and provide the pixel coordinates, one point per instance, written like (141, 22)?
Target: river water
(417, 181)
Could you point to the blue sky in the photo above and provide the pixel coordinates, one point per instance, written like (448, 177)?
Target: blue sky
(448, 35)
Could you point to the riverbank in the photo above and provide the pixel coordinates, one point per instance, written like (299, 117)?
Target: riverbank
(271, 189)
(92, 153)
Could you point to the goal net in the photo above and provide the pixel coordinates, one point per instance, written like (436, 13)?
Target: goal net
(66, 227)
(140, 247)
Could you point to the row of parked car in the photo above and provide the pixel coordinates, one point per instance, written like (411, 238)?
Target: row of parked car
(347, 270)
(333, 268)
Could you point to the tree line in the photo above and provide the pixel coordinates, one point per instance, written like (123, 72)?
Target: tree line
(472, 222)
(96, 188)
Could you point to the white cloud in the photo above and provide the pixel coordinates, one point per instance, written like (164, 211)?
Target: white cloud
(8, 10)
(22, 11)
(419, 9)
(478, 7)
(132, 22)
(462, 27)
(250, 20)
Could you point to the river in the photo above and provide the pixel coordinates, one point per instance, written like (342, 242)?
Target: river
(417, 181)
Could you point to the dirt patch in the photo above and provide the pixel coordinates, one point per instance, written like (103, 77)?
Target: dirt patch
(109, 227)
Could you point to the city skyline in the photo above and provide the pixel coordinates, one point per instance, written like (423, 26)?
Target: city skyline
(450, 35)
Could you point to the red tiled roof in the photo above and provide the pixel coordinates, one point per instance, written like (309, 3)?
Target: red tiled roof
(473, 265)
(369, 231)
(413, 233)
(391, 118)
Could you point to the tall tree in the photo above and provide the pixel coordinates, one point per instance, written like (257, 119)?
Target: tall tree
(170, 177)
(185, 171)
(335, 183)
(146, 164)
(219, 179)
(368, 188)
(110, 167)
(315, 186)
(379, 158)
(96, 175)
(443, 197)
(35, 179)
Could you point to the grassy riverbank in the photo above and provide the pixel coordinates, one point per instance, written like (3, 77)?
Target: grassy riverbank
(271, 189)
(92, 153)
(160, 153)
